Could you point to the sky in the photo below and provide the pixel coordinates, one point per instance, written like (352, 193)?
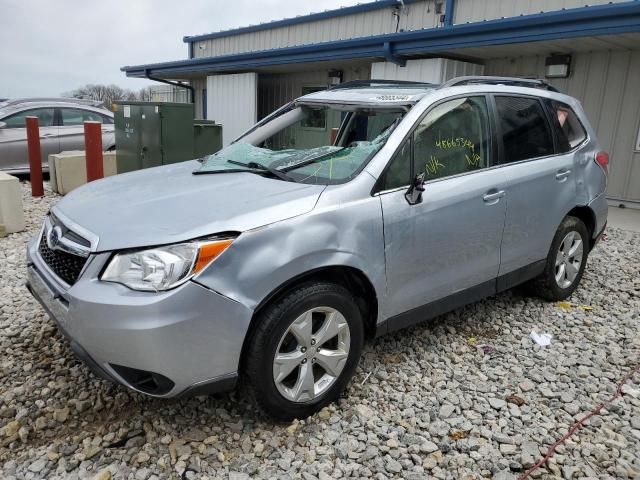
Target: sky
(49, 47)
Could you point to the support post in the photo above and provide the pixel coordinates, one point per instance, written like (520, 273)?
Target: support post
(449, 10)
(93, 150)
(35, 157)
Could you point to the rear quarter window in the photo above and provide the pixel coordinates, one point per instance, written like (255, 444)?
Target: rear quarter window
(569, 130)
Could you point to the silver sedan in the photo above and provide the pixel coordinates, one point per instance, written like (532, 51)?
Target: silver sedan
(61, 128)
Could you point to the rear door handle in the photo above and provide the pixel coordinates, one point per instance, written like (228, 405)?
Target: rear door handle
(561, 175)
(48, 135)
(492, 197)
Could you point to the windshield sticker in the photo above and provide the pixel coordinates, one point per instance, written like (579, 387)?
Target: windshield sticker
(392, 98)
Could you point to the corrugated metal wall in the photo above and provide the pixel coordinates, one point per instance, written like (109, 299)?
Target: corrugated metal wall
(430, 70)
(415, 16)
(232, 101)
(607, 85)
(478, 10)
(274, 90)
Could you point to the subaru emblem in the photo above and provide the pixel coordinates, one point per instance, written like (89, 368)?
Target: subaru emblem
(53, 239)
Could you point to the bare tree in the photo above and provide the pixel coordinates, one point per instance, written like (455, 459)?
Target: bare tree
(107, 94)
(145, 94)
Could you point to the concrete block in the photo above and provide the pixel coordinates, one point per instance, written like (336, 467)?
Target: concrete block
(11, 209)
(68, 170)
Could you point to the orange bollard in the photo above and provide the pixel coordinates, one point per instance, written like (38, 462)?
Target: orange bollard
(35, 157)
(93, 150)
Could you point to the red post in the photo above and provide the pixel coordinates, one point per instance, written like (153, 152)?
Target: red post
(35, 157)
(93, 150)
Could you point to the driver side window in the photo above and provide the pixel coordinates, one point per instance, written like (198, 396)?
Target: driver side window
(451, 139)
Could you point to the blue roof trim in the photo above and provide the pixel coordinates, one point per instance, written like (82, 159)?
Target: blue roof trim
(312, 17)
(578, 22)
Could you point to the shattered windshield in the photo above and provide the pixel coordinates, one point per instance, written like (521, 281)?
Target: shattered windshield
(311, 144)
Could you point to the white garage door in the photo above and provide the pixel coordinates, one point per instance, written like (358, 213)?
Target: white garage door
(232, 101)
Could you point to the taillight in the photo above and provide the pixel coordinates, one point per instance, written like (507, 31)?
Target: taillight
(602, 159)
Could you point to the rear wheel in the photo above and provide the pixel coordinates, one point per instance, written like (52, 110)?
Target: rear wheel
(565, 263)
(304, 350)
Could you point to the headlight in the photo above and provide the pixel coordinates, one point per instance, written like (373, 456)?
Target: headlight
(162, 268)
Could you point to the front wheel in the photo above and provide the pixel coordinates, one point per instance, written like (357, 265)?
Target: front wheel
(304, 350)
(565, 263)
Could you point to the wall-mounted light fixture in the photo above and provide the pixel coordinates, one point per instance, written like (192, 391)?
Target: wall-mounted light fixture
(557, 66)
(335, 77)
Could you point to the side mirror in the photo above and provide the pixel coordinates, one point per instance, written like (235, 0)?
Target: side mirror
(414, 194)
(3, 125)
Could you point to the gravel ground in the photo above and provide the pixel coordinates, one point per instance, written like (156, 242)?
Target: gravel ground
(468, 395)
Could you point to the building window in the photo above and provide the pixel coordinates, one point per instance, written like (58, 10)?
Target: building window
(317, 119)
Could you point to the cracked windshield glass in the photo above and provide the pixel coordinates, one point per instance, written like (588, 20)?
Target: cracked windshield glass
(312, 144)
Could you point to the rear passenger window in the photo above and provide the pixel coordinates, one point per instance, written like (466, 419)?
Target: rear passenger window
(76, 116)
(525, 130)
(569, 130)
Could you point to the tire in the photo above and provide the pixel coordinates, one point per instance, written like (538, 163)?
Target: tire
(546, 285)
(282, 330)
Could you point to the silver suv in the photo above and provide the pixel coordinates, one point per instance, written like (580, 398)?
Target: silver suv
(61, 123)
(346, 214)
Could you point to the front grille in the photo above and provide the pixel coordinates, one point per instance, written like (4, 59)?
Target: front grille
(65, 265)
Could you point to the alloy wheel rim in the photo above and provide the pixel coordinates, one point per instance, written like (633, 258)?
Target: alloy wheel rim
(568, 259)
(311, 354)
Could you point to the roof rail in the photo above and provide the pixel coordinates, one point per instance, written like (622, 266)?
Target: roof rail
(18, 101)
(512, 81)
(384, 83)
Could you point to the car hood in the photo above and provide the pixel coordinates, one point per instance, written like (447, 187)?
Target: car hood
(169, 204)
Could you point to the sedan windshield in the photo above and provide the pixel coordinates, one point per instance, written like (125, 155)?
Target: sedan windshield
(311, 144)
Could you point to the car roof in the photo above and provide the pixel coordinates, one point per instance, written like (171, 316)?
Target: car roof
(14, 106)
(371, 92)
(387, 93)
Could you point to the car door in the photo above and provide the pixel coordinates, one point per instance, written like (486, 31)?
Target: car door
(71, 130)
(447, 247)
(542, 188)
(13, 139)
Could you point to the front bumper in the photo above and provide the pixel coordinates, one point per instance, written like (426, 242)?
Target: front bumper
(190, 335)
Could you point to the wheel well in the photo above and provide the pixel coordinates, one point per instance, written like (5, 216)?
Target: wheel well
(350, 278)
(588, 218)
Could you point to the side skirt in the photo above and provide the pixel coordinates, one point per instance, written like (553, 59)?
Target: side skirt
(460, 299)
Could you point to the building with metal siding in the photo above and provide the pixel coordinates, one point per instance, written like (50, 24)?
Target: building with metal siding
(431, 40)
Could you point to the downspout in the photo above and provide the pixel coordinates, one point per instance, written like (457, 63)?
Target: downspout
(449, 12)
(175, 84)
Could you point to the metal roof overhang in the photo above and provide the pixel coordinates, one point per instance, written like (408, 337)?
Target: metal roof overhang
(608, 19)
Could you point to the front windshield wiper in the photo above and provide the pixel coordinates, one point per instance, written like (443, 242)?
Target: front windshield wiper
(253, 166)
(311, 160)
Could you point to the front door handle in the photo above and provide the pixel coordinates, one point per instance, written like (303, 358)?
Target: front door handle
(48, 135)
(561, 175)
(493, 196)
